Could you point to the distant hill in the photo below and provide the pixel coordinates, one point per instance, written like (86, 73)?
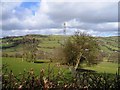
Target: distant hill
(12, 45)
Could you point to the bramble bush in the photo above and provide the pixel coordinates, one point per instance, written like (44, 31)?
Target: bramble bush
(60, 81)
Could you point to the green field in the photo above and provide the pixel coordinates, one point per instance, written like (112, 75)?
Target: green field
(18, 66)
(106, 67)
(49, 43)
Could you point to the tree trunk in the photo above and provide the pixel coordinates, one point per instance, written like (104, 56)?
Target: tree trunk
(78, 61)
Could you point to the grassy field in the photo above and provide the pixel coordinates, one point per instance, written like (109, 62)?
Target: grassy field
(47, 44)
(18, 66)
(107, 67)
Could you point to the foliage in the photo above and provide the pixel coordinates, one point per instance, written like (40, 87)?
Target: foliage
(114, 55)
(81, 48)
(82, 80)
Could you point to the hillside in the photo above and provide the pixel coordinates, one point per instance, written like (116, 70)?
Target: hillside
(11, 46)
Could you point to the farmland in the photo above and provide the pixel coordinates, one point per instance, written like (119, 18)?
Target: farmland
(48, 43)
(18, 66)
(12, 60)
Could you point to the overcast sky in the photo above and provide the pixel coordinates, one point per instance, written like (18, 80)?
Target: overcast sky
(96, 17)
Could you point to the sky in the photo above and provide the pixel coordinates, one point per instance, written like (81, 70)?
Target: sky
(95, 17)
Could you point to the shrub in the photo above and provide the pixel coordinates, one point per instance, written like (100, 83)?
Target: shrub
(61, 81)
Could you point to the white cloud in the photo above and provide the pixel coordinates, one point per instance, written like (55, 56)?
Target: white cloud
(92, 17)
(60, 0)
(74, 23)
(106, 27)
(80, 0)
(86, 12)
